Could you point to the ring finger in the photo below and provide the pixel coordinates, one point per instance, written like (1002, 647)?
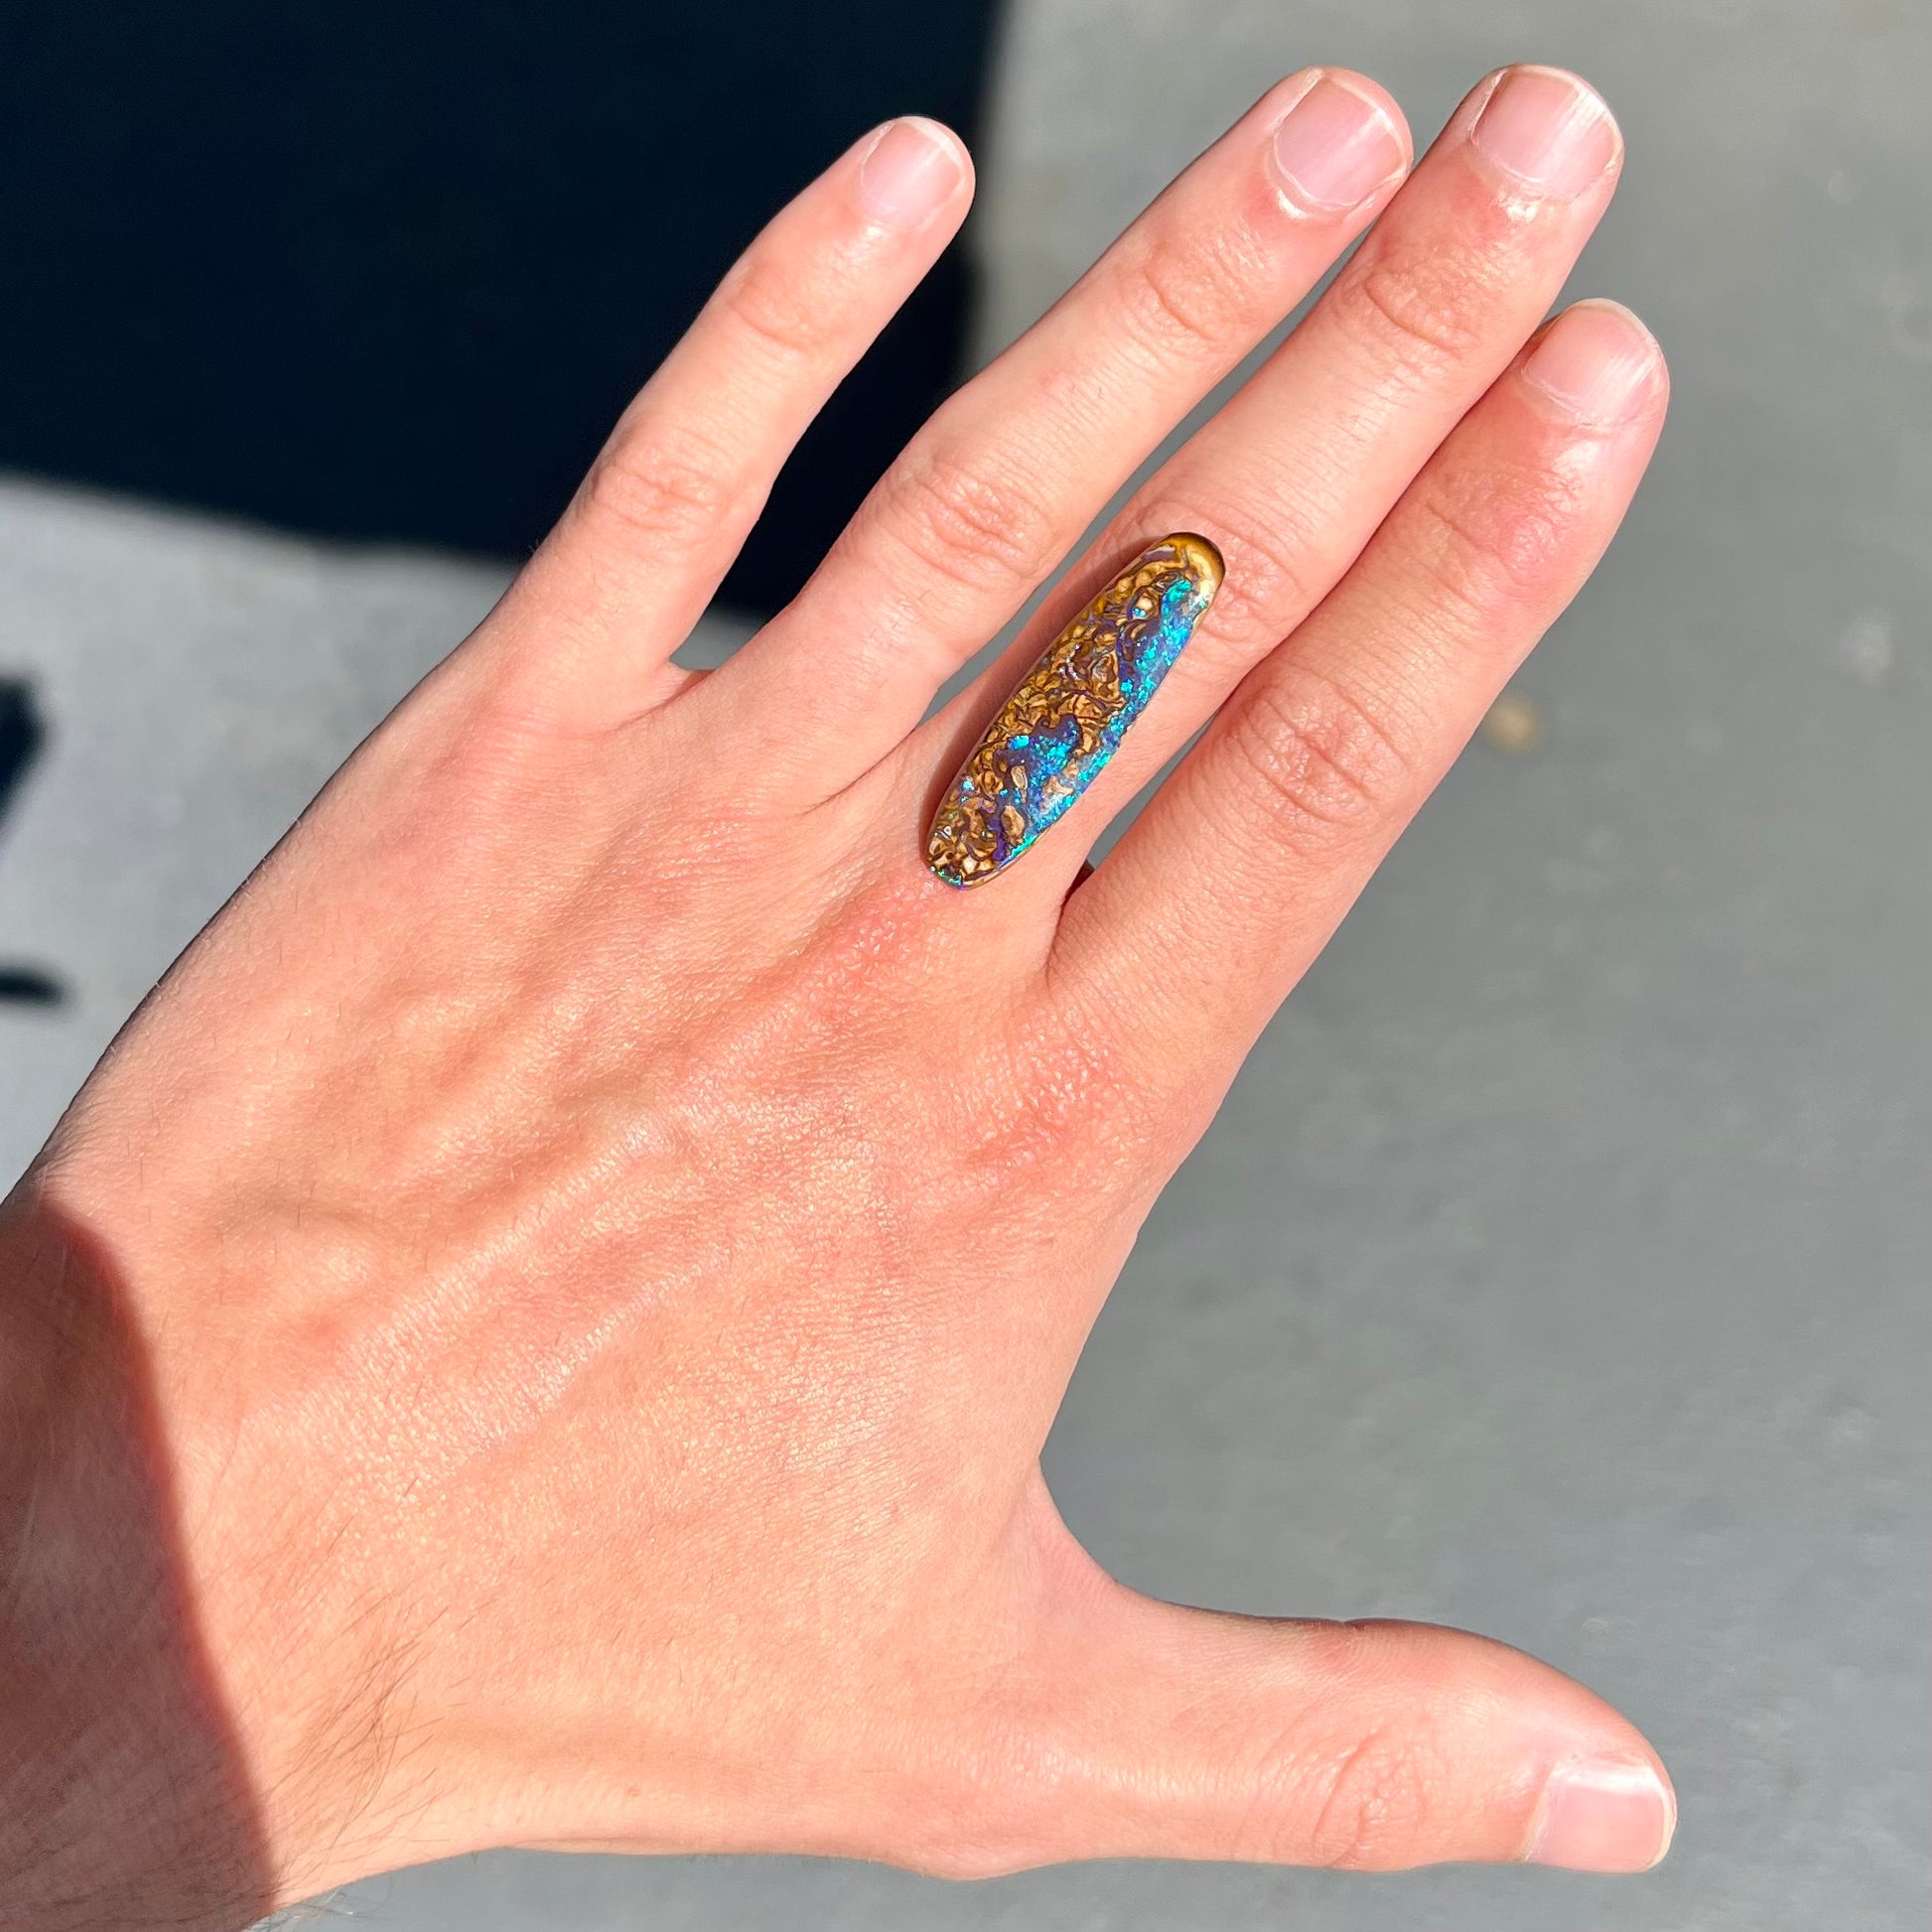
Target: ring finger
(1290, 478)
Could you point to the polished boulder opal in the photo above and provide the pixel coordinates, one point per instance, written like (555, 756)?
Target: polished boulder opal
(1054, 736)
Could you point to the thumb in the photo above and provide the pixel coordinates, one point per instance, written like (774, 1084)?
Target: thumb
(1185, 1734)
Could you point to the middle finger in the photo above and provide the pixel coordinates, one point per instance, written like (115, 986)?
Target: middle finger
(990, 494)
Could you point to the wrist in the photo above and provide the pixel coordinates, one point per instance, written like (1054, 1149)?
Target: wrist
(125, 1796)
(204, 1698)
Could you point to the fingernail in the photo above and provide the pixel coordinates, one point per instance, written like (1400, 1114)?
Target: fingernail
(1607, 1814)
(909, 172)
(1593, 363)
(1547, 131)
(1336, 148)
(1054, 737)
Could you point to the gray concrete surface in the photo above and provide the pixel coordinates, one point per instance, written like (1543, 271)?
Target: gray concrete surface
(1559, 1265)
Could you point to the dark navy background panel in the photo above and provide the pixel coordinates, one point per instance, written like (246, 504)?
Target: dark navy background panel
(389, 270)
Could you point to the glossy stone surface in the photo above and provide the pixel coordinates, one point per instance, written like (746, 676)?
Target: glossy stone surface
(1054, 736)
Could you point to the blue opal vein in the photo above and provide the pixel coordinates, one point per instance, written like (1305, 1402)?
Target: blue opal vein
(1054, 736)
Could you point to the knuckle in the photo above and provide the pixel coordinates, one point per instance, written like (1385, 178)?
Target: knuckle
(965, 519)
(1421, 307)
(962, 1860)
(661, 487)
(1081, 1090)
(1269, 585)
(1375, 1803)
(1190, 294)
(783, 310)
(1489, 543)
(1056, 1093)
(1324, 767)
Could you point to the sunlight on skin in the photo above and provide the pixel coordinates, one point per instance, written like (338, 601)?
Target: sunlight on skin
(562, 1291)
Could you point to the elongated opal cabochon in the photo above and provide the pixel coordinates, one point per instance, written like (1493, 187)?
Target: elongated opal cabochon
(1054, 737)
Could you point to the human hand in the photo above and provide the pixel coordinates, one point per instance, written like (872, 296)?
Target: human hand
(543, 1328)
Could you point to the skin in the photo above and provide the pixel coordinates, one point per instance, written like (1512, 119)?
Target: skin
(541, 1329)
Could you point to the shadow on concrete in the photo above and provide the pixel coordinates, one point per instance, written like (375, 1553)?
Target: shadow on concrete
(22, 735)
(390, 272)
